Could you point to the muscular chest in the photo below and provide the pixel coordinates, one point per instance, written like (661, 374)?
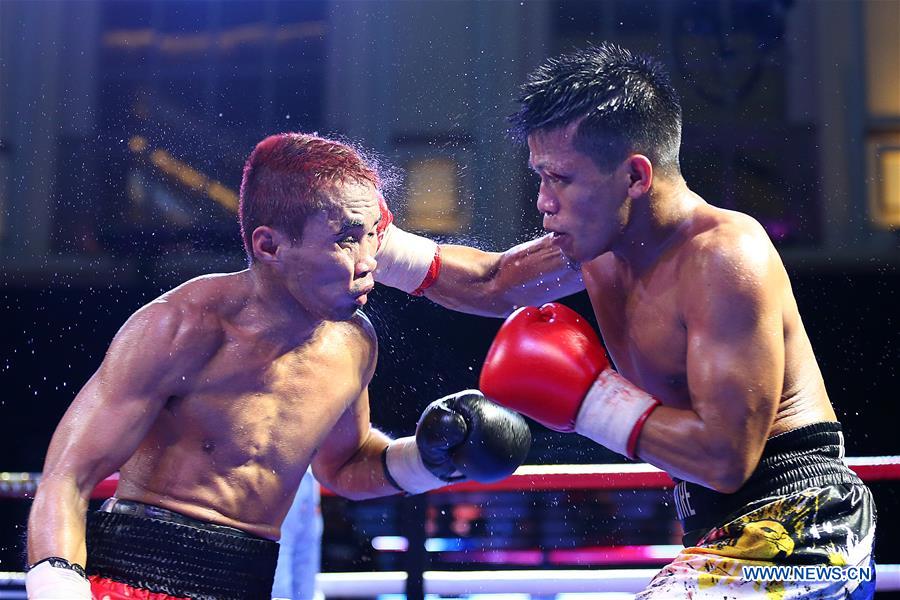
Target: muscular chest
(640, 323)
(246, 407)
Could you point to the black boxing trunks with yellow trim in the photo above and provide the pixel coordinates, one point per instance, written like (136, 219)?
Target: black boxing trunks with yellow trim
(803, 518)
(158, 550)
(806, 457)
(815, 544)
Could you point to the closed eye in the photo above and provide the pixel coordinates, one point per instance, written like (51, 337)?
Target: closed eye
(555, 178)
(551, 177)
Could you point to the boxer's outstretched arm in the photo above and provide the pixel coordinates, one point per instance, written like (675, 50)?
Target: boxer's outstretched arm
(105, 423)
(470, 280)
(735, 369)
(496, 283)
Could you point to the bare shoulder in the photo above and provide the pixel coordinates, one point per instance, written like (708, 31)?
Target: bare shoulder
(166, 342)
(360, 336)
(730, 273)
(187, 318)
(360, 328)
(729, 245)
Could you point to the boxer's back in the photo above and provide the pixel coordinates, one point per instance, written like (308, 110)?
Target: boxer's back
(232, 446)
(641, 314)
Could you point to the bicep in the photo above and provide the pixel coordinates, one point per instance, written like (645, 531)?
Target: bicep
(344, 440)
(99, 432)
(117, 406)
(735, 360)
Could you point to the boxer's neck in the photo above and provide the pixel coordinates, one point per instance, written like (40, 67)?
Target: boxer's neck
(275, 313)
(655, 222)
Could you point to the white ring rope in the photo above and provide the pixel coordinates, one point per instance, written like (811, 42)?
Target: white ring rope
(451, 583)
(542, 582)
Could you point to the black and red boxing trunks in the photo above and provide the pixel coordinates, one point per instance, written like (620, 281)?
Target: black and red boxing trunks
(138, 550)
(802, 526)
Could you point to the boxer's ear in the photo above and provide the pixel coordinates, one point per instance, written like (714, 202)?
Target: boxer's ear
(265, 243)
(640, 173)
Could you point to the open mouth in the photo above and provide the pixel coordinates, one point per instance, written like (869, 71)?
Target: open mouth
(556, 235)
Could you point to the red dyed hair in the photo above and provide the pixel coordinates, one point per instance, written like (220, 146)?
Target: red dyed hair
(286, 177)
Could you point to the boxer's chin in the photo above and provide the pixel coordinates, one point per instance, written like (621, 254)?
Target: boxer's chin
(563, 241)
(345, 312)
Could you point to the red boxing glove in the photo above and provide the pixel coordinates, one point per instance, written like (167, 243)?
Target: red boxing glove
(542, 363)
(548, 364)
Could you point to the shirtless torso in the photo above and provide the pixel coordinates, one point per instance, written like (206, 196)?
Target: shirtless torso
(218, 412)
(214, 399)
(232, 441)
(642, 316)
(706, 322)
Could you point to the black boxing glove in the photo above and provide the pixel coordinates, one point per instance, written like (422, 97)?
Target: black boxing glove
(462, 436)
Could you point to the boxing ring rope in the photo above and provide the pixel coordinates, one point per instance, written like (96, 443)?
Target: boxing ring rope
(534, 478)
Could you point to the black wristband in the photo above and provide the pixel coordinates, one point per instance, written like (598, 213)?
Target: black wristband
(60, 563)
(387, 473)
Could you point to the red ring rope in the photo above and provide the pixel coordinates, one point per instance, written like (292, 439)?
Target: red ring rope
(528, 477)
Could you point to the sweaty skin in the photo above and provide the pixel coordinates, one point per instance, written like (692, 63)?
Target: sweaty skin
(712, 330)
(231, 448)
(693, 303)
(694, 306)
(214, 398)
(494, 284)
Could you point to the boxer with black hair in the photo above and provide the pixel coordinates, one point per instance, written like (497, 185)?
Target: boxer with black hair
(715, 379)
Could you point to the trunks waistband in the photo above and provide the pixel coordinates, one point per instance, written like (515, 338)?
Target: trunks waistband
(140, 509)
(809, 456)
(174, 557)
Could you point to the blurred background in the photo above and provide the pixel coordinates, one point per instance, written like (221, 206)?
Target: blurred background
(124, 126)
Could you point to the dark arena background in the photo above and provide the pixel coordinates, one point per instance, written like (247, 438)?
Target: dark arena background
(123, 130)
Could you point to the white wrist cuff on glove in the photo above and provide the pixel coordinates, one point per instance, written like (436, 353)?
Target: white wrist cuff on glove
(403, 259)
(405, 465)
(46, 582)
(613, 413)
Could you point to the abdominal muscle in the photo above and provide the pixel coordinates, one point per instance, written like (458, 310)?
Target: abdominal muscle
(231, 461)
(251, 498)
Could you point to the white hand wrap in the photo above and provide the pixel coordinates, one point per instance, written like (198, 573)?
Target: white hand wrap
(403, 259)
(404, 463)
(46, 582)
(613, 413)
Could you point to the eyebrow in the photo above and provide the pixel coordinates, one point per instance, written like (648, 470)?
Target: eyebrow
(348, 224)
(538, 167)
(543, 168)
(557, 169)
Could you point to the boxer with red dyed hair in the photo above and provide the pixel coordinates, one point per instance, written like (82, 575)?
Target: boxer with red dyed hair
(214, 398)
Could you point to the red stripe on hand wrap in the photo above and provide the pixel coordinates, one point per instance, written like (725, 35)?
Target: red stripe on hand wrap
(631, 449)
(433, 271)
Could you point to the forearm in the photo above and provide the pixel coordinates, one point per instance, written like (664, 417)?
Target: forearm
(681, 443)
(496, 283)
(362, 476)
(56, 523)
